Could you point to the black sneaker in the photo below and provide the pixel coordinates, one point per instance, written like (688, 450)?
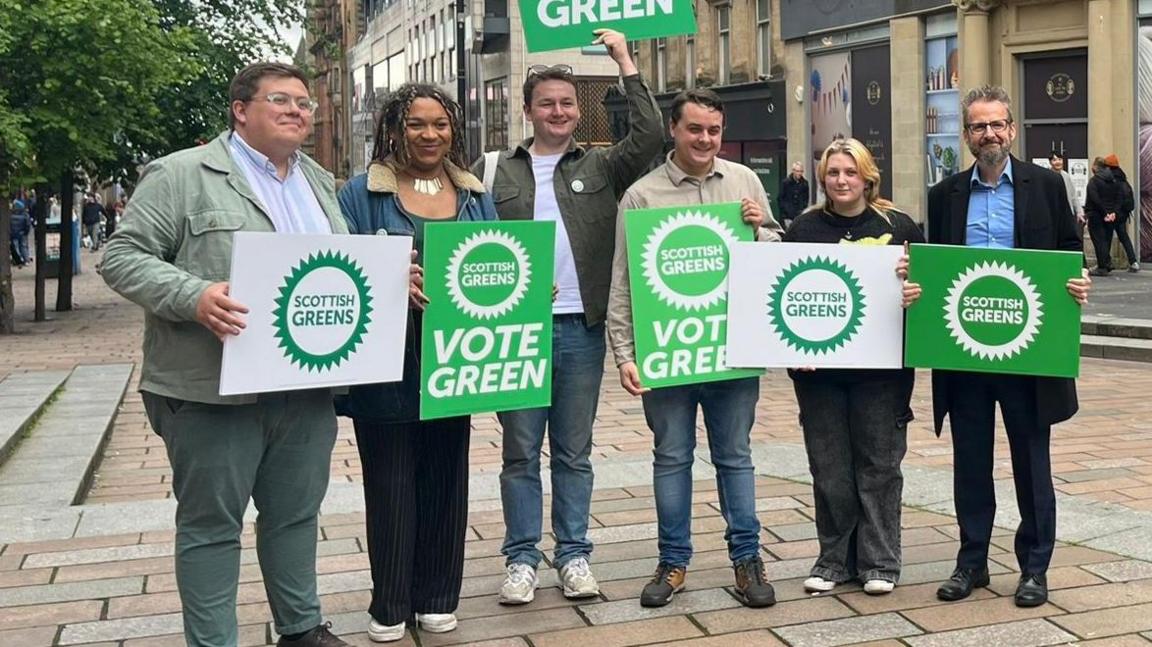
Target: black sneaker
(318, 637)
(752, 585)
(665, 583)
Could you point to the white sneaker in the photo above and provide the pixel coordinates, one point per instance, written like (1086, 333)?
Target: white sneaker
(436, 623)
(816, 584)
(578, 580)
(520, 584)
(379, 633)
(878, 587)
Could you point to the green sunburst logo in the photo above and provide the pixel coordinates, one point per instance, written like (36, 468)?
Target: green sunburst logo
(816, 305)
(322, 313)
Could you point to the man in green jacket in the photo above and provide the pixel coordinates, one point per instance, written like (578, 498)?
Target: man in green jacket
(172, 256)
(550, 177)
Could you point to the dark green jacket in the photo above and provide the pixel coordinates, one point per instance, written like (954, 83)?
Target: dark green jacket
(588, 185)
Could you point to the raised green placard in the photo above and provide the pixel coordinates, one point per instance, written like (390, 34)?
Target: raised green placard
(994, 310)
(678, 260)
(559, 24)
(487, 334)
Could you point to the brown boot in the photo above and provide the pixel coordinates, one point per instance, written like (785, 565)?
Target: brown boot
(666, 582)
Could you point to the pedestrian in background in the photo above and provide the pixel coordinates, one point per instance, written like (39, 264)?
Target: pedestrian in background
(794, 194)
(1108, 203)
(92, 217)
(18, 228)
(415, 472)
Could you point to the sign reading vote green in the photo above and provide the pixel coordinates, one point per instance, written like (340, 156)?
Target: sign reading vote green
(678, 260)
(558, 24)
(994, 310)
(487, 336)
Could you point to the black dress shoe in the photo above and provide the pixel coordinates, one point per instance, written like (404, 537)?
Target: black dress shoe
(1032, 591)
(960, 585)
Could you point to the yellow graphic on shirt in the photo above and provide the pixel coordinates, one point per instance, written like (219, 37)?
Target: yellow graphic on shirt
(871, 240)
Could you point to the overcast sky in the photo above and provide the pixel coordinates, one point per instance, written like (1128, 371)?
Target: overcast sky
(291, 35)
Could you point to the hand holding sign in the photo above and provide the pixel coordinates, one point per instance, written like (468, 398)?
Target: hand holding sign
(1078, 288)
(630, 379)
(215, 310)
(416, 297)
(617, 46)
(910, 292)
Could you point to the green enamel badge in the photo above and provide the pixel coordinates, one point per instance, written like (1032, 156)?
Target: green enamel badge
(816, 305)
(322, 313)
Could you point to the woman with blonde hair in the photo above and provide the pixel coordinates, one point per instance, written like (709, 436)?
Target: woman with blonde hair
(854, 420)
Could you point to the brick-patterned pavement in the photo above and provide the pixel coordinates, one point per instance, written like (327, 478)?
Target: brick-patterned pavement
(119, 589)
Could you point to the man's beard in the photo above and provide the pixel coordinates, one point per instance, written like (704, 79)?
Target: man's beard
(989, 156)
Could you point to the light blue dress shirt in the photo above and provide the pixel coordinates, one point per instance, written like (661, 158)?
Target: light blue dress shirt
(992, 211)
(290, 203)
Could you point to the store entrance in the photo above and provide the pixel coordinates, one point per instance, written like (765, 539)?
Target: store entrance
(1055, 106)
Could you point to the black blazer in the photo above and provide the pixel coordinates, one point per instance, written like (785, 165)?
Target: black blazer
(1043, 220)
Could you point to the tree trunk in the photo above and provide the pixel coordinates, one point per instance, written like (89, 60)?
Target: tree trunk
(7, 306)
(64, 282)
(40, 214)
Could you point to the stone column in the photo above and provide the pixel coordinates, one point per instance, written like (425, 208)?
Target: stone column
(975, 49)
(908, 179)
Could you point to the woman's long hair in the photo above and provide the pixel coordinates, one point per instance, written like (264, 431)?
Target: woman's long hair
(389, 136)
(865, 164)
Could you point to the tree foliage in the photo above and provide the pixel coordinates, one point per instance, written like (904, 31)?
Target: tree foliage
(105, 84)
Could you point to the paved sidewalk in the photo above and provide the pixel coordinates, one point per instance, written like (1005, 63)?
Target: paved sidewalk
(109, 580)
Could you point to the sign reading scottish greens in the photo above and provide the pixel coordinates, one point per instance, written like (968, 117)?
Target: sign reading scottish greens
(1001, 311)
(323, 311)
(487, 336)
(678, 260)
(559, 24)
(808, 304)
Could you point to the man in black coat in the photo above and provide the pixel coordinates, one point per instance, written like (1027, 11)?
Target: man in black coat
(1007, 203)
(794, 195)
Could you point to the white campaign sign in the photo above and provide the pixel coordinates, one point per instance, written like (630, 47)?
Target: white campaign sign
(806, 304)
(322, 311)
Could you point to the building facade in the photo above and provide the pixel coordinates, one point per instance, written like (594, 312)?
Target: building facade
(892, 73)
(736, 52)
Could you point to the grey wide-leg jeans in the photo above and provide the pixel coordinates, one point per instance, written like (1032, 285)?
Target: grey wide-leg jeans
(855, 442)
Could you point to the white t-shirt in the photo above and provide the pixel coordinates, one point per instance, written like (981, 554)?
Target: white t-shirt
(568, 300)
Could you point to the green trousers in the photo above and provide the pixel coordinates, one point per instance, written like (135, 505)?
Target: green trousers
(275, 452)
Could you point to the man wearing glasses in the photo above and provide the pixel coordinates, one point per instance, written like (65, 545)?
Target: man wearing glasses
(1002, 202)
(550, 177)
(172, 256)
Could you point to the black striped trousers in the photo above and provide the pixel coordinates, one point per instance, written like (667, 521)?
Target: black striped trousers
(416, 505)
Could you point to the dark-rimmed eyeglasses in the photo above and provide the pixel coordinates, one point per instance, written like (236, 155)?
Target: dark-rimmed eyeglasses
(283, 100)
(998, 126)
(543, 69)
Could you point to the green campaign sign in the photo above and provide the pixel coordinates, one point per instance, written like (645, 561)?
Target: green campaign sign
(558, 24)
(678, 260)
(487, 336)
(994, 310)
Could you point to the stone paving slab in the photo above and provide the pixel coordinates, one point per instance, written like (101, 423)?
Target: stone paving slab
(22, 396)
(83, 410)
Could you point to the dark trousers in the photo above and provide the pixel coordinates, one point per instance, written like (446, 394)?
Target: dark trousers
(855, 442)
(1119, 227)
(973, 398)
(416, 504)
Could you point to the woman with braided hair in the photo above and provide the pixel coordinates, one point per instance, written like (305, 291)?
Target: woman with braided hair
(415, 473)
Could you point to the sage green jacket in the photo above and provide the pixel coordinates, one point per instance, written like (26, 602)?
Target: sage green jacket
(174, 241)
(588, 185)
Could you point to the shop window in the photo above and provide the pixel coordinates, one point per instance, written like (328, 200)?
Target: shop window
(724, 29)
(496, 112)
(942, 108)
(763, 37)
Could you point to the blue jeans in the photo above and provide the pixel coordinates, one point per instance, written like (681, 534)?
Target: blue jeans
(729, 410)
(577, 369)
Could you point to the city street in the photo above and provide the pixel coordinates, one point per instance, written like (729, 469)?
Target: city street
(100, 573)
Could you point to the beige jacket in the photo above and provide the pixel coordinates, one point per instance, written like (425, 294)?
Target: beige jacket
(669, 186)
